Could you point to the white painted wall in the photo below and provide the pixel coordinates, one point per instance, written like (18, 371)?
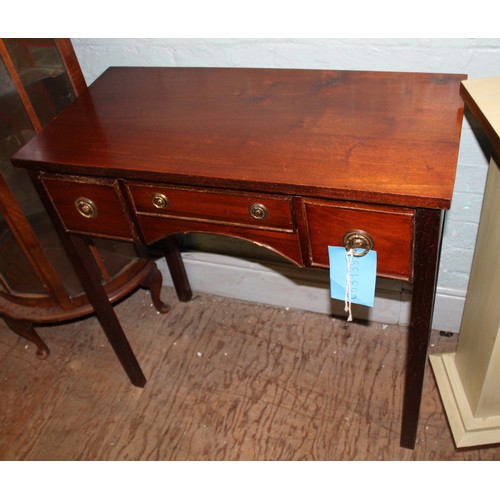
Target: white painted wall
(475, 57)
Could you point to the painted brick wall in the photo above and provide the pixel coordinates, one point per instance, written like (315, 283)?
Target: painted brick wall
(475, 57)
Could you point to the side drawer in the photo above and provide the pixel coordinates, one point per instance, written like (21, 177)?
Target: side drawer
(390, 228)
(89, 206)
(233, 208)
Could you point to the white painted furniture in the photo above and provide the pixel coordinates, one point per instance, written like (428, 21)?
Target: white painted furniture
(469, 380)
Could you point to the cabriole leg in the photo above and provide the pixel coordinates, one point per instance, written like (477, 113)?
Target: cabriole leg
(25, 329)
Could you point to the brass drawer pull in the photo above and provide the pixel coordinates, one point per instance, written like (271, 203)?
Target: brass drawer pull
(358, 240)
(86, 208)
(258, 211)
(160, 201)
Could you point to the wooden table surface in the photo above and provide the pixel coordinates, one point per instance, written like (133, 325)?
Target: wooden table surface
(366, 151)
(370, 136)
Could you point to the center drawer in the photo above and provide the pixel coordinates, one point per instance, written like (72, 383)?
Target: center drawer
(233, 208)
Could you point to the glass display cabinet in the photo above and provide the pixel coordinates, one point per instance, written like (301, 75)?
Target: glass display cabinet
(38, 79)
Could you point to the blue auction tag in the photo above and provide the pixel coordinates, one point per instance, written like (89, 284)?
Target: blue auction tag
(362, 273)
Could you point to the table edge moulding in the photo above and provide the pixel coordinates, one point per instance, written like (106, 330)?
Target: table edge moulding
(290, 159)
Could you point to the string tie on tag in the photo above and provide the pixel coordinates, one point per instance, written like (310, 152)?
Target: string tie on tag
(349, 256)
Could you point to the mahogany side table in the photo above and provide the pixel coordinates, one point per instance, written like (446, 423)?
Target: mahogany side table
(291, 159)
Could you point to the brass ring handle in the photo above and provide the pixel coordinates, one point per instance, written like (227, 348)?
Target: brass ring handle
(160, 201)
(358, 240)
(258, 211)
(86, 208)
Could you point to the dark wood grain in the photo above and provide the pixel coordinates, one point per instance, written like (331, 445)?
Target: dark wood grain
(203, 204)
(391, 230)
(89, 276)
(287, 244)
(177, 270)
(427, 246)
(364, 136)
(110, 221)
(323, 136)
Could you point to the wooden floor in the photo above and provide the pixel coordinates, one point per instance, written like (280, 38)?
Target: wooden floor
(227, 380)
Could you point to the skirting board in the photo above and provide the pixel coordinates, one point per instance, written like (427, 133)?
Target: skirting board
(284, 285)
(466, 429)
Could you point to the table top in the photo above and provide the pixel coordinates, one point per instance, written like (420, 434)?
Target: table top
(380, 137)
(482, 96)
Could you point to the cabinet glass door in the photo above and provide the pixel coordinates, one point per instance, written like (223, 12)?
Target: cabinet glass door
(43, 75)
(17, 274)
(38, 65)
(23, 207)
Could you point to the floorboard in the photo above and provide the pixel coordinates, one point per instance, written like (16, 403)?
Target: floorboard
(227, 380)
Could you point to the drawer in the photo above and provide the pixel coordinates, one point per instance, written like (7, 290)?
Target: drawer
(228, 208)
(89, 206)
(390, 228)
